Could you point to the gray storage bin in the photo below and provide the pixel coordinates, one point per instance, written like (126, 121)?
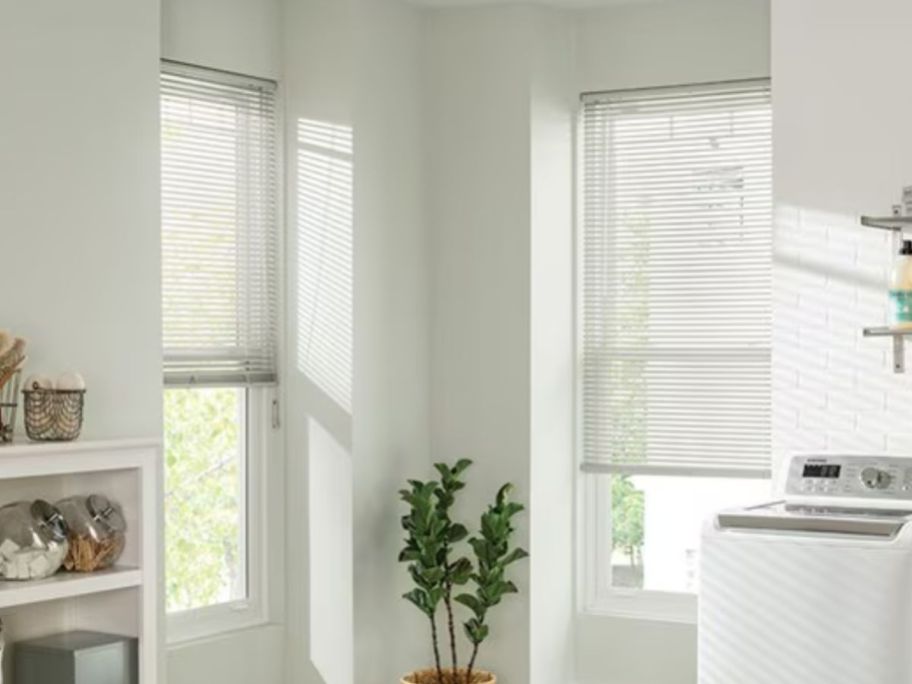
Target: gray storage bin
(76, 658)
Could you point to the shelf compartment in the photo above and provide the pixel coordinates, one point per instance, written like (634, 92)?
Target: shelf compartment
(895, 224)
(123, 599)
(65, 585)
(899, 335)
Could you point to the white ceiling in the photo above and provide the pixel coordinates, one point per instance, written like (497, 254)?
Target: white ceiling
(553, 3)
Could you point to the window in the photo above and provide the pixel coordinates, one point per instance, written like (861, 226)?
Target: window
(675, 373)
(220, 328)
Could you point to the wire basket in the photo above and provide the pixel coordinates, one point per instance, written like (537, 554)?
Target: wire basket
(53, 415)
(9, 394)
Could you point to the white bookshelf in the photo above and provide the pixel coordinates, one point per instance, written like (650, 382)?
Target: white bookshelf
(121, 600)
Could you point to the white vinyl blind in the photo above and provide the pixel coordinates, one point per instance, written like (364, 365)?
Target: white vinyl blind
(676, 279)
(219, 227)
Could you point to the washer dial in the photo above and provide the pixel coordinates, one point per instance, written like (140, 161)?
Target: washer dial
(875, 478)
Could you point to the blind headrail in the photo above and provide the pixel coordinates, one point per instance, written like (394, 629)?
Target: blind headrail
(756, 85)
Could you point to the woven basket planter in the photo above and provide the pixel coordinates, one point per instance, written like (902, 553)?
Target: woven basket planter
(430, 677)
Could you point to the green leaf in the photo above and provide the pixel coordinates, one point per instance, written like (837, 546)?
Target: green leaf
(513, 508)
(476, 631)
(461, 571)
(435, 596)
(419, 599)
(408, 555)
(471, 634)
(472, 603)
(457, 533)
(461, 466)
(514, 555)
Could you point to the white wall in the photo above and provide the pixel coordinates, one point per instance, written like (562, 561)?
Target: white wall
(253, 655)
(318, 82)
(635, 46)
(639, 45)
(234, 35)
(477, 146)
(552, 362)
(837, 156)
(499, 165)
(352, 68)
(390, 430)
(241, 36)
(79, 201)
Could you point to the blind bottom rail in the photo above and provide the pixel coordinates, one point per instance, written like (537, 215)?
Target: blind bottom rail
(683, 469)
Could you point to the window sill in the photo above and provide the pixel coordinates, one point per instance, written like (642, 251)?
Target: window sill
(211, 623)
(653, 606)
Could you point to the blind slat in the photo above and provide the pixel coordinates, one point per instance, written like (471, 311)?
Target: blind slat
(219, 228)
(676, 278)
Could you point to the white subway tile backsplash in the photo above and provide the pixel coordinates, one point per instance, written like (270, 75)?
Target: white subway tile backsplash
(899, 443)
(855, 442)
(833, 389)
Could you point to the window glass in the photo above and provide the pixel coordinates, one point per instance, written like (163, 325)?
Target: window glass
(656, 524)
(205, 497)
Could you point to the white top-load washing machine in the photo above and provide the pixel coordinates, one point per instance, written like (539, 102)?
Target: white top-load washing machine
(815, 588)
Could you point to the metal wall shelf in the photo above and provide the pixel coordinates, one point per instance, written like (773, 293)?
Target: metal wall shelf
(899, 335)
(895, 224)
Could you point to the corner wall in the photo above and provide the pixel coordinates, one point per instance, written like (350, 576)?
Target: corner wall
(477, 154)
(498, 159)
(318, 83)
(357, 275)
(390, 440)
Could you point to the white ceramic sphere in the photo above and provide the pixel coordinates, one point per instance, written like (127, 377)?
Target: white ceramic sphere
(38, 381)
(70, 381)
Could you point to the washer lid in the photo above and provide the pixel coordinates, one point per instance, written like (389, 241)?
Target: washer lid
(782, 516)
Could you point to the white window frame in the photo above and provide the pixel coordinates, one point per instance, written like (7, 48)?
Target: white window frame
(264, 445)
(599, 596)
(252, 611)
(596, 596)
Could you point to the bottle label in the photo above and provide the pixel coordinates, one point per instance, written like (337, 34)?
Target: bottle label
(902, 305)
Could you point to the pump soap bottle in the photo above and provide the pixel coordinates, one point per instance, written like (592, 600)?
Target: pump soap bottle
(901, 287)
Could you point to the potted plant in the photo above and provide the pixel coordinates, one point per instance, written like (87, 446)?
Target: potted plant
(434, 546)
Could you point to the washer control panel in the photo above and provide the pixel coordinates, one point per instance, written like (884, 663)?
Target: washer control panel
(867, 477)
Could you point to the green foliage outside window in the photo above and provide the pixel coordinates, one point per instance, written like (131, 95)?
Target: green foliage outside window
(203, 497)
(627, 510)
(629, 386)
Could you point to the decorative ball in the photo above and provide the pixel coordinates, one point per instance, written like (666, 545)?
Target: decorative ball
(38, 382)
(70, 381)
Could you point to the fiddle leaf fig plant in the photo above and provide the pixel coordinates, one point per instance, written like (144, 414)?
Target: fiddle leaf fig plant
(433, 550)
(457, 571)
(492, 555)
(424, 550)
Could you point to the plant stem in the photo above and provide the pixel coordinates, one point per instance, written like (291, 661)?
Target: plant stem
(472, 663)
(448, 601)
(436, 650)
